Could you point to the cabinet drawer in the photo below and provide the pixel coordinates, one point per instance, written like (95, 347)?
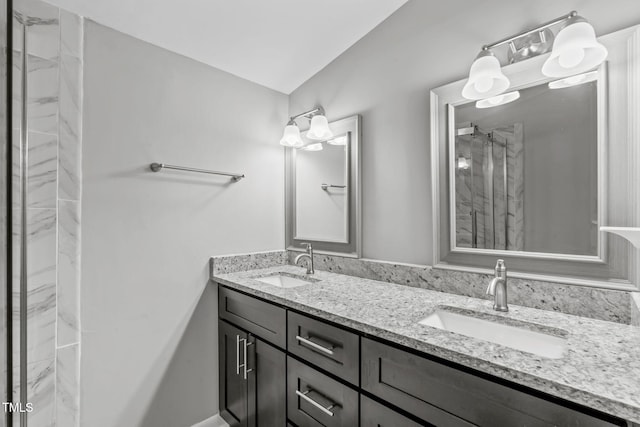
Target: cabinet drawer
(373, 414)
(314, 399)
(433, 391)
(262, 319)
(329, 347)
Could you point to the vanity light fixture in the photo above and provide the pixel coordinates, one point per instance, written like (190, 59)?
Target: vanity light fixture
(574, 80)
(502, 99)
(316, 146)
(339, 140)
(291, 136)
(485, 77)
(575, 50)
(318, 130)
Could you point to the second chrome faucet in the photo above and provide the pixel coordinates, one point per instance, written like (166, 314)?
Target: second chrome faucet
(308, 254)
(498, 287)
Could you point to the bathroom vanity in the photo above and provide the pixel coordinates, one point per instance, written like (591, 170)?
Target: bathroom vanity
(345, 351)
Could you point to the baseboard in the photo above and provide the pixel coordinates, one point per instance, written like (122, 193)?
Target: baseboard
(215, 421)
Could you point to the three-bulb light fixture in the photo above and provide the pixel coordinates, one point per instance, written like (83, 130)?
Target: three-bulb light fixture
(574, 53)
(318, 131)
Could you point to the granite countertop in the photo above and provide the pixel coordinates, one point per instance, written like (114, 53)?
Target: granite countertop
(600, 369)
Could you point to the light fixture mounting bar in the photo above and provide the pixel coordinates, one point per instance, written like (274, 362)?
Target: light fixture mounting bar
(541, 27)
(307, 114)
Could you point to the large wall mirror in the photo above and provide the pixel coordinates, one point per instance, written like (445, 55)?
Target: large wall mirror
(323, 191)
(532, 180)
(526, 173)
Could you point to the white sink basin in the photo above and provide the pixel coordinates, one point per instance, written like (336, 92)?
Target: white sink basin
(283, 281)
(539, 343)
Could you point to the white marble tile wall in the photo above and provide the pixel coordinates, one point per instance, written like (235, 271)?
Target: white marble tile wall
(67, 379)
(54, 105)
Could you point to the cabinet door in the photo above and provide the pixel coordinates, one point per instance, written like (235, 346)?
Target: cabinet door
(433, 392)
(234, 390)
(373, 414)
(267, 385)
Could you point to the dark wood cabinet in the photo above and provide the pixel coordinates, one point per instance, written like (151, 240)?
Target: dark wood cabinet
(234, 390)
(374, 414)
(315, 400)
(264, 320)
(434, 391)
(267, 386)
(329, 347)
(252, 379)
(281, 368)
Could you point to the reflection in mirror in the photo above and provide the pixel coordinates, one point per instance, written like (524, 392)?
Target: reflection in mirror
(321, 191)
(526, 172)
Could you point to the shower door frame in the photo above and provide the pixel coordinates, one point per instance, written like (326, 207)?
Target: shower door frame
(8, 225)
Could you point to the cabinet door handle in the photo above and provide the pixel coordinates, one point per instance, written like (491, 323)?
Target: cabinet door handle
(237, 354)
(325, 409)
(244, 365)
(307, 341)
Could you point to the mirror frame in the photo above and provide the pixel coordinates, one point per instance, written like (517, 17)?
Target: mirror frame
(352, 246)
(617, 265)
(601, 107)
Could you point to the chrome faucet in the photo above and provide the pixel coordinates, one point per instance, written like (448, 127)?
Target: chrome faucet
(498, 287)
(308, 254)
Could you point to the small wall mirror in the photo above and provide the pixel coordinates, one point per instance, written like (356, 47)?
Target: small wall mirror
(323, 191)
(532, 180)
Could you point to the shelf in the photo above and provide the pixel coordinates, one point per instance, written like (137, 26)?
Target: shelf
(632, 234)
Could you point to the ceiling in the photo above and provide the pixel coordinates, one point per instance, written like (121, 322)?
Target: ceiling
(276, 43)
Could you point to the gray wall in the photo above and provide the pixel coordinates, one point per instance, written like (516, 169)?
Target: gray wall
(387, 76)
(149, 353)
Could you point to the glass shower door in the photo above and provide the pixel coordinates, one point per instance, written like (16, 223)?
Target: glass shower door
(5, 219)
(488, 187)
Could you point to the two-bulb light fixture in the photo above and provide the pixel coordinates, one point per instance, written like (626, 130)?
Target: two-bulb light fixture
(574, 53)
(318, 131)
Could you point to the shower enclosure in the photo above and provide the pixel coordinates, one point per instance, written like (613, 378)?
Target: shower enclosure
(6, 169)
(41, 104)
(489, 208)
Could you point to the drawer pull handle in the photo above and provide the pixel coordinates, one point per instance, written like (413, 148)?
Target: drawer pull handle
(325, 409)
(307, 341)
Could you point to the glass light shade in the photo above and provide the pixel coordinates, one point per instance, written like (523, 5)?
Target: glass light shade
(485, 78)
(291, 137)
(575, 50)
(316, 146)
(494, 101)
(339, 140)
(319, 129)
(574, 80)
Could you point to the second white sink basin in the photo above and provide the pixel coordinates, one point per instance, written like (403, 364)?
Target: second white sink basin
(519, 338)
(283, 281)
